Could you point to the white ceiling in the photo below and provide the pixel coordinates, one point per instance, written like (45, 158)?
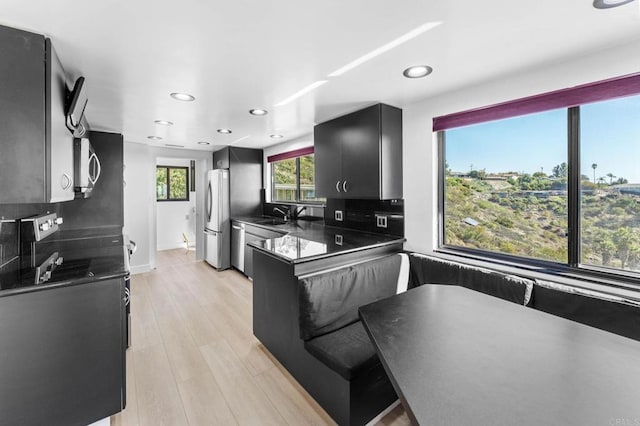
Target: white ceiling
(242, 54)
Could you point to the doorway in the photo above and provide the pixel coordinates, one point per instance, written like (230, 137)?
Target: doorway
(176, 207)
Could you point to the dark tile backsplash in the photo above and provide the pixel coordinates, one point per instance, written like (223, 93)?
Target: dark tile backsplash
(8, 241)
(103, 210)
(305, 211)
(364, 215)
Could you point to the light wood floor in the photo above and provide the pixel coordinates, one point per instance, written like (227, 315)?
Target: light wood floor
(194, 359)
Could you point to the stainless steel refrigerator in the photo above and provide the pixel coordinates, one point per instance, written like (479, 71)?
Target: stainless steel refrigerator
(217, 229)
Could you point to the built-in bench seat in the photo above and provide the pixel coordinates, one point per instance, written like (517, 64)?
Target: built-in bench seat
(333, 333)
(348, 351)
(604, 311)
(432, 270)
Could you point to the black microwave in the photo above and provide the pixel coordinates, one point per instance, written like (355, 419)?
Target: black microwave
(86, 167)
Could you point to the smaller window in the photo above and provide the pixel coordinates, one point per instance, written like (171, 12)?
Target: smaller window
(293, 177)
(172, 183)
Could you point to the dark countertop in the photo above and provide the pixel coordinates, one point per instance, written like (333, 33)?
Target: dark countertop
(312, 240)
(88, 255)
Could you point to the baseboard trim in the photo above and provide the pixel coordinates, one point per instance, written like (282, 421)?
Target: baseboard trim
(140, 269)
(171, 246)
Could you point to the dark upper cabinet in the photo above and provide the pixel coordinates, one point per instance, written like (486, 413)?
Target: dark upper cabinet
(245, 179)
(359, 155)
(36, 149)
(221, 158)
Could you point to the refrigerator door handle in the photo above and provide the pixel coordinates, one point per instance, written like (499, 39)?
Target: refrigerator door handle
(209, 202)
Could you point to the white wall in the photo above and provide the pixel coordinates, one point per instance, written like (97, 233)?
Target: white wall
(419, 143)
(140, 202)
(139, 199)
(175, 217)
(298, 143)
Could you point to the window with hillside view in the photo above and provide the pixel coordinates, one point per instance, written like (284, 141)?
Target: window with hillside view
(506, 186)
(293, 180)
(172, 183)
(610, 210)
(559, 186)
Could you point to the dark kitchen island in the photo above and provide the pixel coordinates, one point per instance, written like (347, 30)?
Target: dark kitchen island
(278, 265)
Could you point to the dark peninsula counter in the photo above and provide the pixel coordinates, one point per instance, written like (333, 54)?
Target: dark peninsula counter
(312, 245)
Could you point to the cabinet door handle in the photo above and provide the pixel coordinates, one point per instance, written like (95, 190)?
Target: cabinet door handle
(344, 186)
(338, 186)
(98, 169)
(66, 181)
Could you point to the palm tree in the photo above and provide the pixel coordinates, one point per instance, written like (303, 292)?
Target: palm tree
(611, 177)
(594, 166)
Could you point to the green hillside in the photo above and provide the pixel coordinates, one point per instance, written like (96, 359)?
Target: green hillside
(527, 216)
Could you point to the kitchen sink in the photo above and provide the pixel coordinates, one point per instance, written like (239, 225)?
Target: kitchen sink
(270, 221)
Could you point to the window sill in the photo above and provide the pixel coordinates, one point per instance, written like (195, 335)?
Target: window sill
(600, 282)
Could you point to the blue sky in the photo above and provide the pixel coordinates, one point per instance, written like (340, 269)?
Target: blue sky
(610, 137)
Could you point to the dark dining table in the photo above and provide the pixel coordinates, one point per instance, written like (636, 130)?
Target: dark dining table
(459, 357)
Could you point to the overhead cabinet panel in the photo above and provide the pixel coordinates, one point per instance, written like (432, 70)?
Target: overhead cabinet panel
(359, 155)
(36, 149)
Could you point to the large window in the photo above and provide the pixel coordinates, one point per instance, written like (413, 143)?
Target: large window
(172, 183)
(506, 186)
(610, 209)
(546, 181)
(293, 177)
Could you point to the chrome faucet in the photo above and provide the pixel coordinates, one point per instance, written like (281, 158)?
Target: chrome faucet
(297, 211)
(285, 214)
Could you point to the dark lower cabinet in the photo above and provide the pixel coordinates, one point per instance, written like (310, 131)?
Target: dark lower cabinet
(62, 354)
(255, 233)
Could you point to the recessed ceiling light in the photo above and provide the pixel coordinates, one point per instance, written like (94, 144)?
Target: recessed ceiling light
(276, 136)
(607, 4)
(182, 97)
(173, 145)
(417, 71)
(258, 111)
(164, 122)
(225, 131)
(204, 143)
(154, 138)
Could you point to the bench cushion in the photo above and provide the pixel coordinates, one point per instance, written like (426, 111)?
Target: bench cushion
(330, 300)
(346, 351)
(427, 269)
(606, 312)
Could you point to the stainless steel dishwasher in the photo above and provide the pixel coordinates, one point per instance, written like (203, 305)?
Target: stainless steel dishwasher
(237, 245)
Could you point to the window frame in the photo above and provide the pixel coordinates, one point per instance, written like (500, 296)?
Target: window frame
(297, 154)
(619, 278)
(168, 168)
